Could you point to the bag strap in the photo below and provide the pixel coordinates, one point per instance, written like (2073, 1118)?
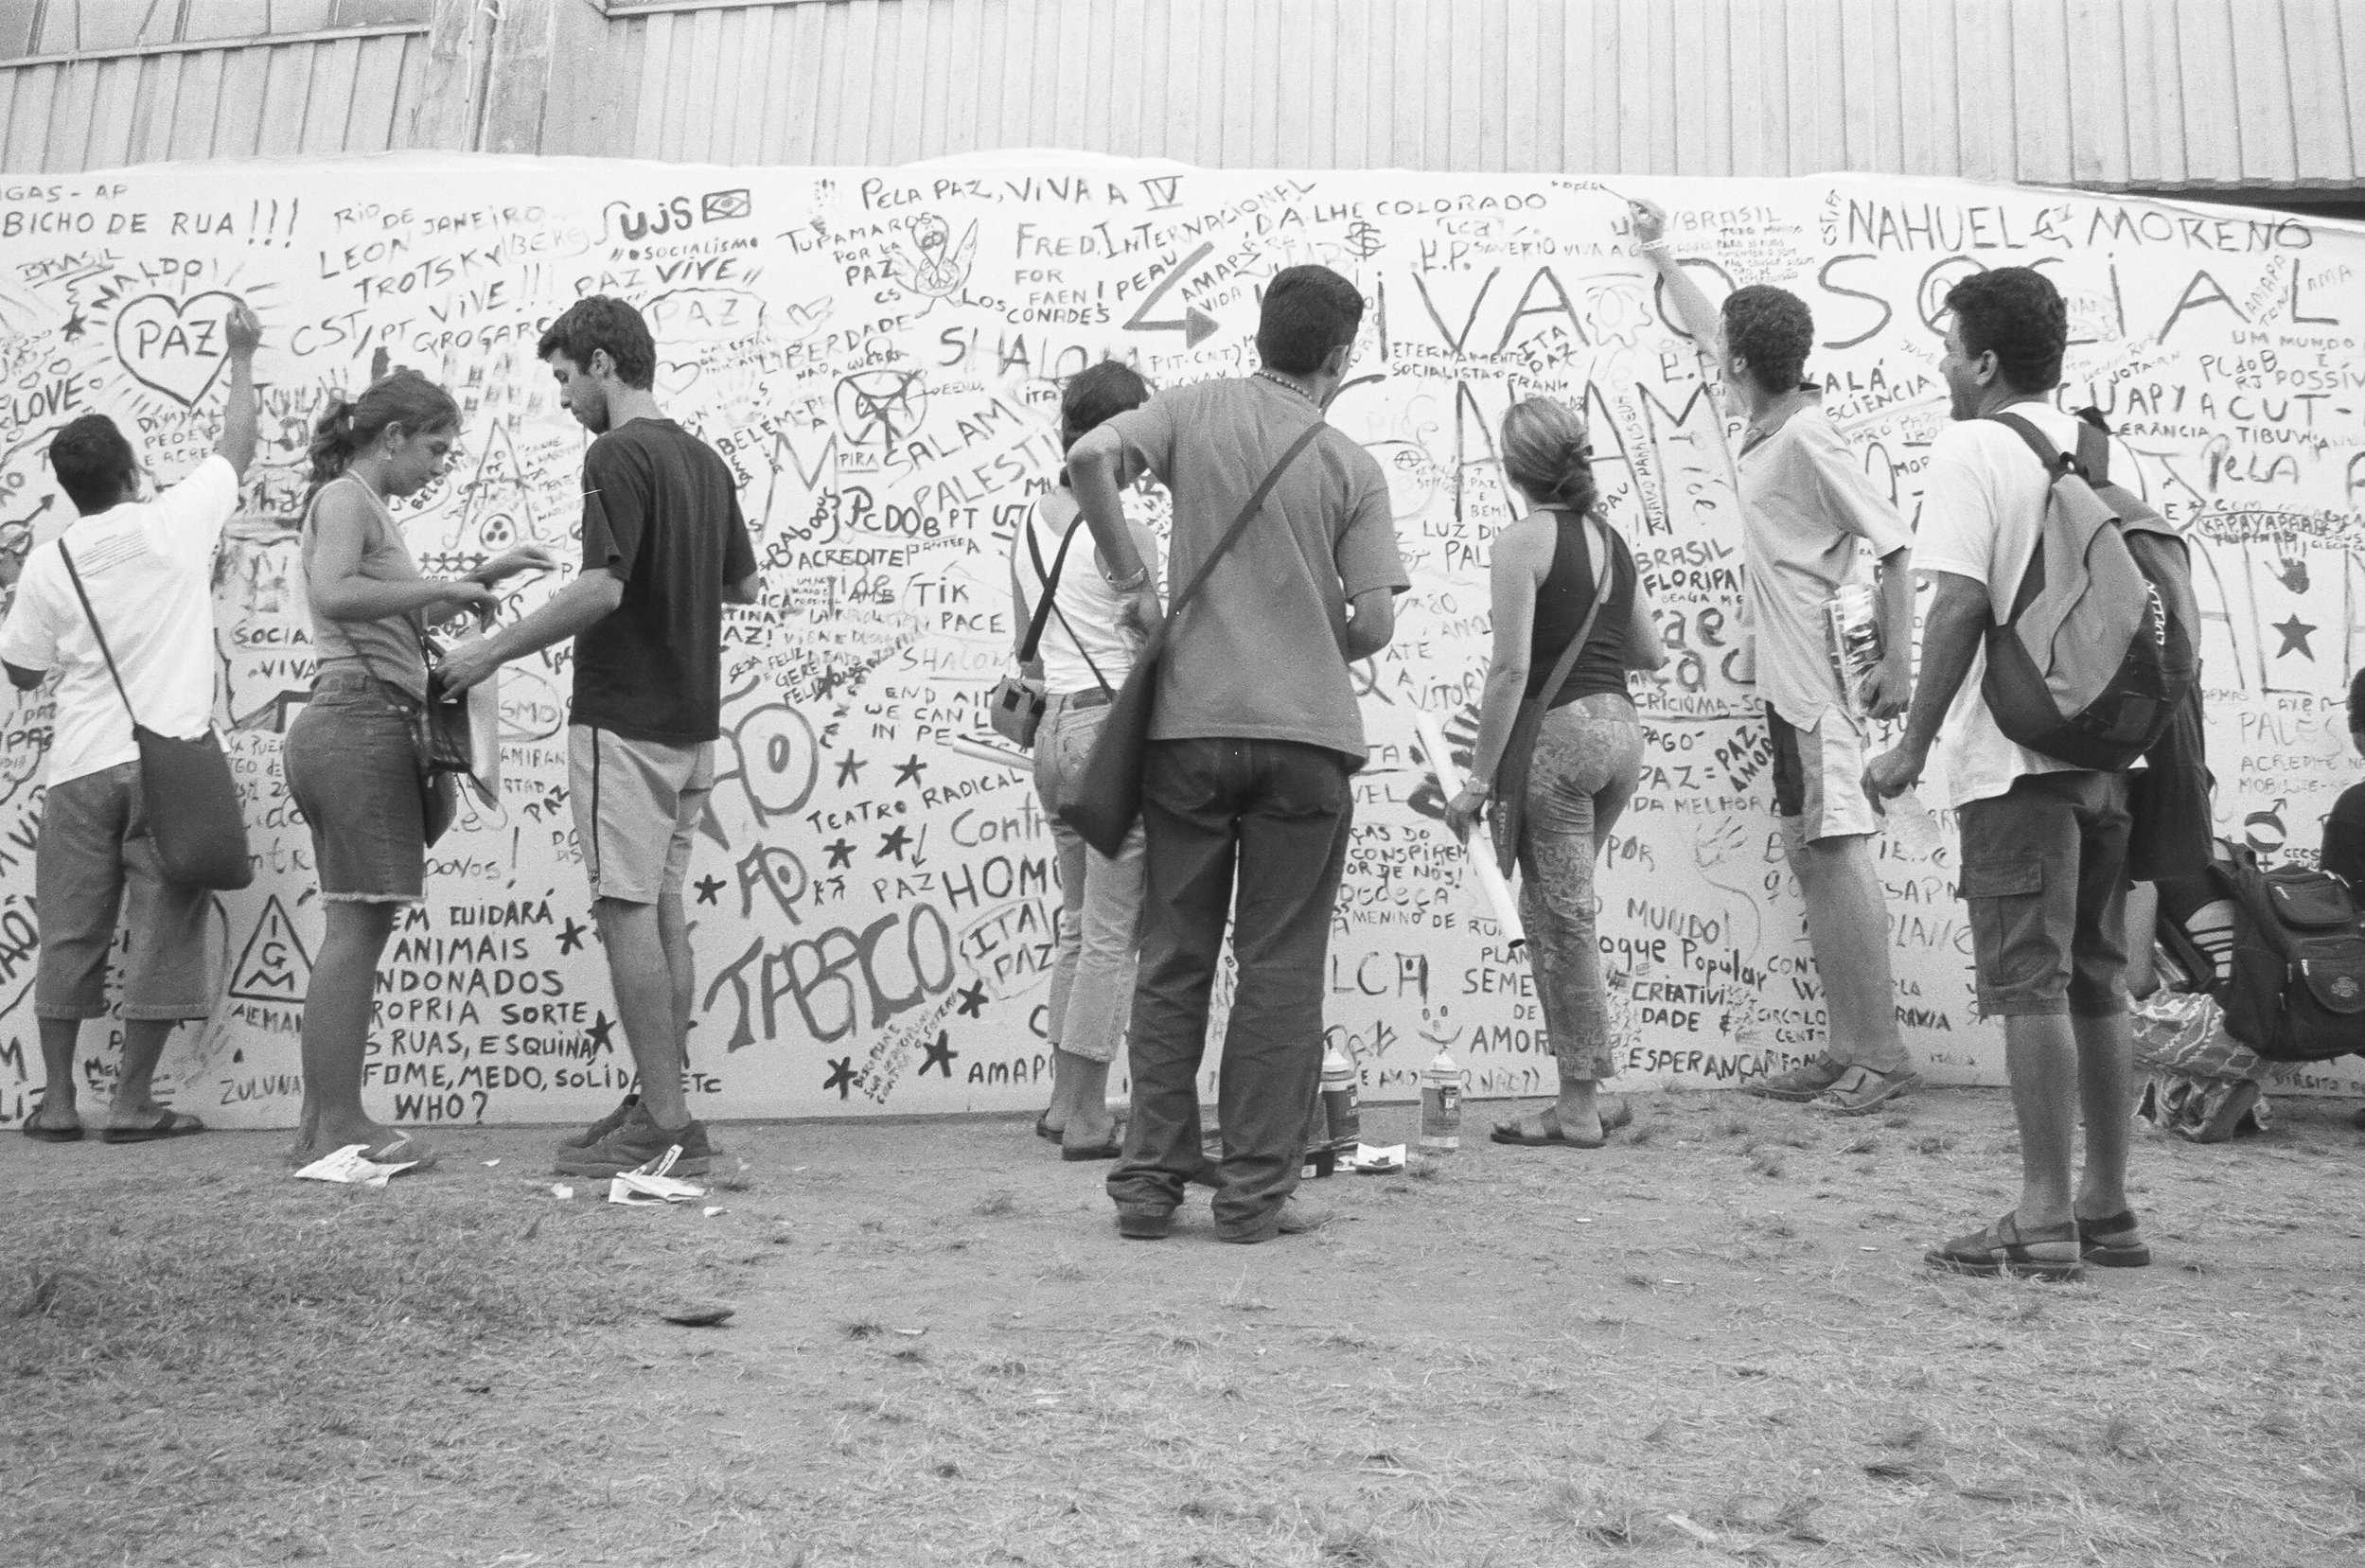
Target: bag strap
(2094, 446)
(83, 594)
(1050, 597)
(1232, 536)
(1567, 661)
(2056, 463)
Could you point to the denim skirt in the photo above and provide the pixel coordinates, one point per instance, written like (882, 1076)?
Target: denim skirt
(352, 765)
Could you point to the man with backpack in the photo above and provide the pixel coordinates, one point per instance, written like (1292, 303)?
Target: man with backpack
(2044, 841)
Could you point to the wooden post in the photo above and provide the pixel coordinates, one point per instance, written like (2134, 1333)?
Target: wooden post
(445, 119)
(518, 81)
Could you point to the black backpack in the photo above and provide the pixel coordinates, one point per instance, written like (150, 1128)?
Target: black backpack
(2297, 988)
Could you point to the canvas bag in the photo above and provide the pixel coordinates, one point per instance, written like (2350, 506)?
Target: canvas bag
(2100, 644)
(1518, 749)
(1108, 798)
(2296, 990)
(186, 789)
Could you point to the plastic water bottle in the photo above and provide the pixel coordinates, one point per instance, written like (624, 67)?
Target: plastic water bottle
(1338, 1103)
(1441, 1104)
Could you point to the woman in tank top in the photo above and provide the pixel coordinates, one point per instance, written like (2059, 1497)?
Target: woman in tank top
(1086, 657)
(1548, 567)
(352, 756)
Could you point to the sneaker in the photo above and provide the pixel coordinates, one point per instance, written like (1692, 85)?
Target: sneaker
(635, 1141)
(1799, 1084)
(1145, 1222)
(1861, 1091)
(1296, 1217)
(603, 1126)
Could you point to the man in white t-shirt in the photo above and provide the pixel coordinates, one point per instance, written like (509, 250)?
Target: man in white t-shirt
(1809, 515)
(147, 569)
(2044, 844)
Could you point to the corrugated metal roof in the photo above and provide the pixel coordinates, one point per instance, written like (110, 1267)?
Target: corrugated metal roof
(2114, 93)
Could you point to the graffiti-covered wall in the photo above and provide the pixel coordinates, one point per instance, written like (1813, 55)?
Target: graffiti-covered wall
(878, 353)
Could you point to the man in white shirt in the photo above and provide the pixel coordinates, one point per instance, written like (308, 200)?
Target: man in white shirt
(1805, 506)
(146, 568)
(2044, 844)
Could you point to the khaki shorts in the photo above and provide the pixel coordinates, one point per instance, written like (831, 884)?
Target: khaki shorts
(1819, 776)
(94, 850)
(636, 803)
(2044, 872)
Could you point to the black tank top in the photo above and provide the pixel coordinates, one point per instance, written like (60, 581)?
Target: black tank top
(1562, 604)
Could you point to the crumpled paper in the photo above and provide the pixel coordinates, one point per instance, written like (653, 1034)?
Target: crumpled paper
(650, 1184)
(347, 1166)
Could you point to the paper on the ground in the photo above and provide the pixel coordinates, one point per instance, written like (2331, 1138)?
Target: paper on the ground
(650, 1184)
(347, 1166)
(1374, 1159)
(1449, 779)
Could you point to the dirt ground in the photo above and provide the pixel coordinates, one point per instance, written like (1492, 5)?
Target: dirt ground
(1714, 1339)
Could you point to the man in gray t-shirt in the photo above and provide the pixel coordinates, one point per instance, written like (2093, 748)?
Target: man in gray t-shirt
(1247, 804)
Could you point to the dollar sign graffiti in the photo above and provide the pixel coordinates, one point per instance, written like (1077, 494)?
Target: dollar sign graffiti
(1364, 240)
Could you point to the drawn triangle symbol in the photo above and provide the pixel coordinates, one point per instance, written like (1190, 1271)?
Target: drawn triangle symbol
(273, 967)
(1197, 327)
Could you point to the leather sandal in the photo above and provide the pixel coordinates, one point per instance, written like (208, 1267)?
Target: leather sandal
(2004, 1248)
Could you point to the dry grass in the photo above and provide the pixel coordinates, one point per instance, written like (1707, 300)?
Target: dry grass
(240, 1369)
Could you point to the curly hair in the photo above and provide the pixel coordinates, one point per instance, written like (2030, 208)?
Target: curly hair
(1772, 329)
(1548, 453)
(602, 321)
(2019, 316)
(94, 465)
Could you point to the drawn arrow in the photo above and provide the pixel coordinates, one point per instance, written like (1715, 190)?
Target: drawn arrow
(1195, 324)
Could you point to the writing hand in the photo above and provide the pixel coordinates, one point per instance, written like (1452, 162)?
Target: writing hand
(242, 330)
(1649, 221)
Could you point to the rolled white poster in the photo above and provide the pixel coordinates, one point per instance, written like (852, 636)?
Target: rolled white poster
(1000, 756)
(1477, 847)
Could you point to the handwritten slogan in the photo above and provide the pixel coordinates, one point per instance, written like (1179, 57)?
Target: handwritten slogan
(879, 353)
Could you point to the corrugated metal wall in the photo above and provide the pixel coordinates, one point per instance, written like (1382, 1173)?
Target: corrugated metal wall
(2118, 93)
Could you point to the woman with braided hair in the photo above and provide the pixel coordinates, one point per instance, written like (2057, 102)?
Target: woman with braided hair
(352, 757)
(1559, 573)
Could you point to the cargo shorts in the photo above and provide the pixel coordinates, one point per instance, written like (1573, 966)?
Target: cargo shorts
(2044, 874)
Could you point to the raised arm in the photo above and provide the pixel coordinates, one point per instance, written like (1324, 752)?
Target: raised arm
(1699, 318)
(243, 332)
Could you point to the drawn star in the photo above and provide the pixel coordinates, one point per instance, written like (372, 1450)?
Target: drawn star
(973, 999)
(909, 771)
(840, 854)
(940, 1055)
(571, 935)
(707, 887)
(849, 769)
(840, 1077)
(75, 326)
(893, 844)
(601, 1026)
(2295, 636)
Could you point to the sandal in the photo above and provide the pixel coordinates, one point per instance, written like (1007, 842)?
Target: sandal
(52, 1134)
(2003, 1248)
(1114, 1147)
(1549, 1133)
(2113, 1242)
(1861, 1091)
(173, 1125)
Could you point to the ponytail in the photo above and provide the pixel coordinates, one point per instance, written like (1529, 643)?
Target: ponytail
(346, 426)
(1548, 455)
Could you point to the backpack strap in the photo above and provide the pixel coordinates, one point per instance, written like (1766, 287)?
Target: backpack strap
(2094, 446)
(2056, 463)
(96, 630)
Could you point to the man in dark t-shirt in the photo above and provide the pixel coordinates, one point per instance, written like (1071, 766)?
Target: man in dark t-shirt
(664, 548)
(2344, 830)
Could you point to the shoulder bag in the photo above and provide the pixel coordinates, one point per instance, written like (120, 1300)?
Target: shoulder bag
(186, 790)
(1108, 796)
(1519, 751)
(447, 748)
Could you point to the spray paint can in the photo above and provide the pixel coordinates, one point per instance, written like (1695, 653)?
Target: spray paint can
(1338, 1103)
(1441, 1104)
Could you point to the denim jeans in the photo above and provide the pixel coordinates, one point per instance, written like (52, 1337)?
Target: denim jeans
(1100, 916)
(352, 765)
(1258, 830)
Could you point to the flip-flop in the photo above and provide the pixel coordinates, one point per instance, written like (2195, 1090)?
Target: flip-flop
(173, 1125)
(52, 1134)
(1043, 1127)
(1111, 1150)
(397, 1152)
(1556, 1138)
